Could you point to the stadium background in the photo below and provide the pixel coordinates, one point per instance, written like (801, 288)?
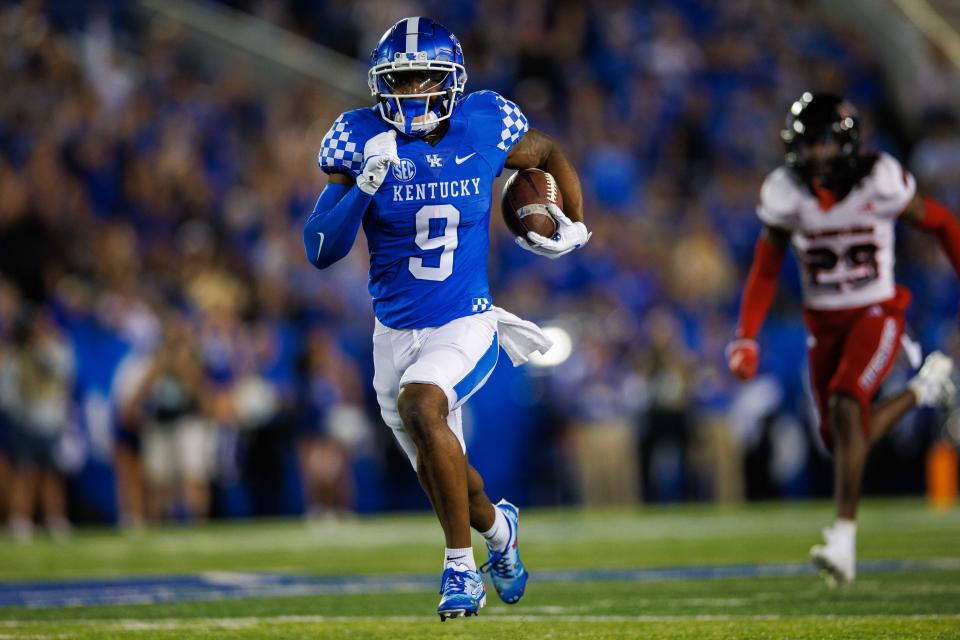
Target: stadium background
(153, 196)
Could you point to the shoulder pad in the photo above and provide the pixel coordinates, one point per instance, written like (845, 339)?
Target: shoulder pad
(342, 148)
(780, 198)
(892, 181)
(501, 121)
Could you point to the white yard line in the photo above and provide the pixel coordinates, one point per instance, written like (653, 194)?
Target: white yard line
(552, 614)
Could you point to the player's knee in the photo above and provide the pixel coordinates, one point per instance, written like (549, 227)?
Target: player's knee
(423, 410)
(844, 416)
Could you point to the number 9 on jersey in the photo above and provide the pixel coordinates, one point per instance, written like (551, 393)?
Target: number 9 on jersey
(436, 229)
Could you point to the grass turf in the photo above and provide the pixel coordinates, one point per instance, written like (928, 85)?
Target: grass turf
(915, 604)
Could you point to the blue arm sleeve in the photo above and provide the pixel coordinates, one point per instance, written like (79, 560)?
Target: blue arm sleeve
(333, 225)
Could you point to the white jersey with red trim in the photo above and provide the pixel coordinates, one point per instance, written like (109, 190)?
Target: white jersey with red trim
(846, 252)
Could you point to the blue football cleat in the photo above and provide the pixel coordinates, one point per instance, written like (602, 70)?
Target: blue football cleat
(505, 568)
(461, 594)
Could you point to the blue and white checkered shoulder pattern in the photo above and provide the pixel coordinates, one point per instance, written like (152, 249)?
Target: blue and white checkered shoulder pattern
(479, 305)
(514, 123)
(337, 151)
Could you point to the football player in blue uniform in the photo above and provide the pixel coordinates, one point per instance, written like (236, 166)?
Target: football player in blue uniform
(417, 171)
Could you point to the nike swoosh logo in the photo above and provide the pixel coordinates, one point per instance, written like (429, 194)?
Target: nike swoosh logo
(460, 160)
(320, 246)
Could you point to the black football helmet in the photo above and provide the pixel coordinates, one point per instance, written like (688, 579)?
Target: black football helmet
(817, 118)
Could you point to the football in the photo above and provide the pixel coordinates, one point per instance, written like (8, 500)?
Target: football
(524, 202)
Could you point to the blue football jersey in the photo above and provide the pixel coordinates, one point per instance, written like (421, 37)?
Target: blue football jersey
(428, 225)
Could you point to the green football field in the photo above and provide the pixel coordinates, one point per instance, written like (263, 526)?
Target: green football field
(678, 572)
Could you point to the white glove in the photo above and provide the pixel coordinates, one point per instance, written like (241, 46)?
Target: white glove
(570, 235)
(379, 154)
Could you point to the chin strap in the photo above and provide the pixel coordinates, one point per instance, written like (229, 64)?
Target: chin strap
(937, 220)
(760, 288)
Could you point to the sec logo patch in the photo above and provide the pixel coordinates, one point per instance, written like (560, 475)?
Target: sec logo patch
(406, 171)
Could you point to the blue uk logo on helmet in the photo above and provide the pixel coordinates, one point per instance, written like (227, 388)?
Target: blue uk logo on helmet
(417, 75)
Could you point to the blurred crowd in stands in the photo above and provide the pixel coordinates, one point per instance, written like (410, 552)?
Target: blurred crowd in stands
(166, 352)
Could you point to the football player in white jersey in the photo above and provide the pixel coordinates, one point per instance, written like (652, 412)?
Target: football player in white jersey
(838, 208)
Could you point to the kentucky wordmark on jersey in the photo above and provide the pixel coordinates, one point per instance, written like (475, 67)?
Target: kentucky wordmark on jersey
(436, 190)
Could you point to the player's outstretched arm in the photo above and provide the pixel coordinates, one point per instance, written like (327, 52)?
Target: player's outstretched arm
(743, 354)
(536, 150)
(927, 214)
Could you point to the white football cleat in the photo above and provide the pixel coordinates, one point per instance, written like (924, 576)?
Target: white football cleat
(933, 385)
(837, 558)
